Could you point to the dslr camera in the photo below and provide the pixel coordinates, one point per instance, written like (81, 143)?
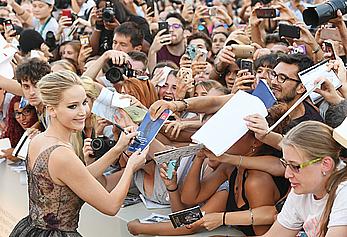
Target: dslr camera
(101, 145)
(115, 73)
(322, 13)
(108, 13)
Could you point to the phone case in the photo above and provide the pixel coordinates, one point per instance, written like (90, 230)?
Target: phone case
(289, 31)
(171, 166)
(242, 51)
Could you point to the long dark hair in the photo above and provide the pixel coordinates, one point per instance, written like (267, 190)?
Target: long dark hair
(14, 130)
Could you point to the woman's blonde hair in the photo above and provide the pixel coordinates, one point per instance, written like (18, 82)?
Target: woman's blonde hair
(53, 85)
(316, 140)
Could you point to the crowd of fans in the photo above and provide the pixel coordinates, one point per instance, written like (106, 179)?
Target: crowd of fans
(189, 57)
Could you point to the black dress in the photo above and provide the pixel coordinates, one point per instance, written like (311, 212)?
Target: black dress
(53, 209)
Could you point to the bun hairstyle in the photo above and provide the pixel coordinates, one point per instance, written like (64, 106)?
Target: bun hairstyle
(53, 85)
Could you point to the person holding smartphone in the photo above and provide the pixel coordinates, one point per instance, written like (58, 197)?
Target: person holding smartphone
(42, 19)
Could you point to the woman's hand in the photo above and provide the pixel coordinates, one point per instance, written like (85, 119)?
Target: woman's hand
(157, 77)
(258, 125)
(85, 53)
(176, 127)
(170, 184)
(88, 151)
(101, 123)
(137, 160)
(134, 227)
(209, 221)
(185, 61)
(328, 91)
(124, 120)
(188, 12)
(183, 86)
(125, 138)
(7, 154)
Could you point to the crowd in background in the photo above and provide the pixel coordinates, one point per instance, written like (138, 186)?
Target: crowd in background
(190, 57)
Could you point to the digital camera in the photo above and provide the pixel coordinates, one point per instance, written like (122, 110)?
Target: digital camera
(101, 145)
(108, 13)
(115, 73)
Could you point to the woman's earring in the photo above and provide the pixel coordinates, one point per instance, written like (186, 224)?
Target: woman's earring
(324, 173)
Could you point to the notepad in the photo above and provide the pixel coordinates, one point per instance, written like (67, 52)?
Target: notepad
(5, 143)
(21, 149)
(227, 126)
(340, 133)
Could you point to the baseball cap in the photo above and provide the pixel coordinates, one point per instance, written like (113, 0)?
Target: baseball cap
(49, 2)
(238, 37)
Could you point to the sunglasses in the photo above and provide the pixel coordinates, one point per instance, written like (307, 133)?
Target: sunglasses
(296, 168)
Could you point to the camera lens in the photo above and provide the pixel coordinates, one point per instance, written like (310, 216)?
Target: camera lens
(96, 144)
(114, 75)
(322, 13)
(108, 14)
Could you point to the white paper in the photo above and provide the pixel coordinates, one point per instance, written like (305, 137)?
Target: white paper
(227, 126)
(23, 178)
(309, 77)
(166, 70)
(3, 42)
(102, 106)
(155, 218)
(5, 143)
(118, 102)
(152, 205)
(21, 150)
(340, 133)
(2, 160)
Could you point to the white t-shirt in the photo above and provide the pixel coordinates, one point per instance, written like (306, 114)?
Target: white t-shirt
(303, 211)
(52, 25)
(86, 7)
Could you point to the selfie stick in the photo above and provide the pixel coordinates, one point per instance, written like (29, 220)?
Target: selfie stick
(302, 98)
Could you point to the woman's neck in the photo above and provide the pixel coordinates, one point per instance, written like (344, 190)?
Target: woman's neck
(320, 194)
(43, 20)
(61, 133)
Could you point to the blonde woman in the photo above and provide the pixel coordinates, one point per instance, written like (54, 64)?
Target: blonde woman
(58, 181)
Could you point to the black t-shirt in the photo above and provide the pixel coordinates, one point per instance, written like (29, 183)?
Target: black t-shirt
(311, 113)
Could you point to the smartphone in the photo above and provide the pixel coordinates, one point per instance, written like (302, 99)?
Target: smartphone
(150, 4)
(191, 51)
(171, 166)
(330, 33)
(242, 51)
(328, 48)
(8, 25)
(299, 49)
(67, 13)
(266, 13)
(289, 31)
(247, 64)
(212, 11)
(84, 39)
(163, 25)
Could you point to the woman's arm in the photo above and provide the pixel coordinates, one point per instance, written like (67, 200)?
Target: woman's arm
(25, 16)
(216, 203)
(66, 168)
(195, 191)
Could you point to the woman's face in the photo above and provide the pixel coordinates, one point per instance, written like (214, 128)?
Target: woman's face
(41, 10)
(200, 91)
(72, 110)
(168, 90)
(218, 41)
(305, 180)
(68, 52)
(25, 117)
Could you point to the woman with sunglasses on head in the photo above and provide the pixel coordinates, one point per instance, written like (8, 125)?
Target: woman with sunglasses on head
(21, 116)
(318, 178)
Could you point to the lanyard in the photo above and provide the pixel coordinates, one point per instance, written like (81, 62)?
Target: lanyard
(44, 26)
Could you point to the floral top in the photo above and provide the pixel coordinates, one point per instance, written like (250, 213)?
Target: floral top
(51, 206)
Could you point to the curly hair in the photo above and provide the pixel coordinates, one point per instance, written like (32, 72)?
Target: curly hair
(32, 70)
(14, 130)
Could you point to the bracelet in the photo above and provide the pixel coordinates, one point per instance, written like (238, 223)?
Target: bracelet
(252, 216)
(239, 165)
(172, 190)
(224, 214)
(185, 105)
(216, 70)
